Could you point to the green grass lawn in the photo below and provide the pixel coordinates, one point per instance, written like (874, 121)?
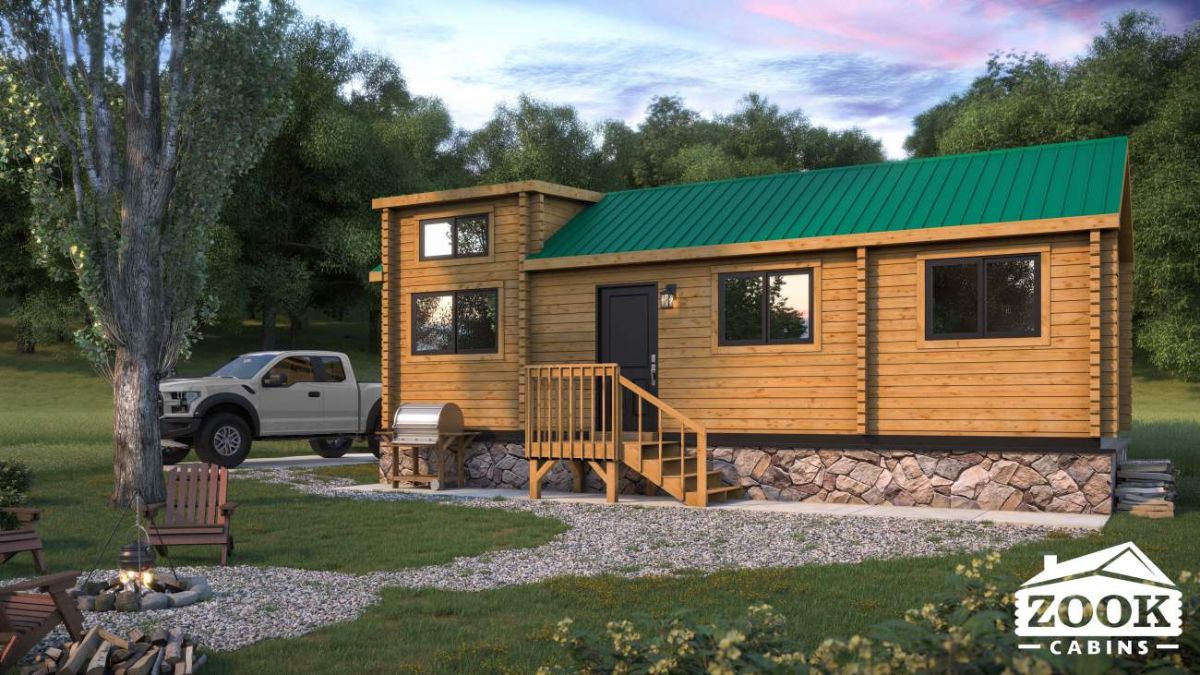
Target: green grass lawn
(55, 415)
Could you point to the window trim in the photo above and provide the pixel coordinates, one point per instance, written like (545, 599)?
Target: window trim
(1042, 251)
(981, 294)
(454, 351)
(765, 315)
(453, 220)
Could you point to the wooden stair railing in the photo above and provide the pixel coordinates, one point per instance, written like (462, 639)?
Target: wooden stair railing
(659, 450)
(573, 414)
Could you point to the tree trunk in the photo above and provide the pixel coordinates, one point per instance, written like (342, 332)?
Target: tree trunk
(137, 452)
(270, 314)
(373, 338)
(295, 323)
(25, 340)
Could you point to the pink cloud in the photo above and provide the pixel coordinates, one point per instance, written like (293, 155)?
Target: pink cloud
(940, 33)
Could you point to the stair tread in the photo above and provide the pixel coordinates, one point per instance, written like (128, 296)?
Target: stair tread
(724, 488)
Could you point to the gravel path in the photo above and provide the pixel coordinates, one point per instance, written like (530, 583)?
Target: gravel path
(253, 604)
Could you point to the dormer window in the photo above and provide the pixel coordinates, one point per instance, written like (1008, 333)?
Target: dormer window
(457, 237)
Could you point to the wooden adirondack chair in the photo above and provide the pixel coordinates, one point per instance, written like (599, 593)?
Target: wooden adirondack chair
(195, 512)
(31, 609)
(26, 538)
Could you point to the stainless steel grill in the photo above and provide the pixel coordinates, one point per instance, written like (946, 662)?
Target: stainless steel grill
(421, 424)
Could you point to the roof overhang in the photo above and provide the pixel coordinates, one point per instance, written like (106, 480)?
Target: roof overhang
(1018, 228)
(486, 191)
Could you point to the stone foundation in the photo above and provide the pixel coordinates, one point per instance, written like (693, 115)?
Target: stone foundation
(1067, 482)
(1010, 481)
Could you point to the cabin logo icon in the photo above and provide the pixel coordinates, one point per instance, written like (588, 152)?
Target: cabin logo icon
(1114, 593)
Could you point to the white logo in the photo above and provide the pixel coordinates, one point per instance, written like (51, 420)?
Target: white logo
(1115, 593)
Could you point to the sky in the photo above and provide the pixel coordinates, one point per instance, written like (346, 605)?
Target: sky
(845, 63)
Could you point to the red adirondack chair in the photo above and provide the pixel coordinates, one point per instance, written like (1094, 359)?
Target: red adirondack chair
(31, 609)
(196, 512)
(23, 539)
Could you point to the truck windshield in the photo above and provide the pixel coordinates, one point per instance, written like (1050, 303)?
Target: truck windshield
(243, 367)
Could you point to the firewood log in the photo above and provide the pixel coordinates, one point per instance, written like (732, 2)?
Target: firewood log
(53, 653)
(81, 654)
(158, 662)
(200, 660)
(174, 651)
(116, 640)
(136, 635)
(143, 665)
(99, 662)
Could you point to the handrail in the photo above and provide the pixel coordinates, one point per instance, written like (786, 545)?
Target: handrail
(578, 411)
(699, 497)
(572, 411)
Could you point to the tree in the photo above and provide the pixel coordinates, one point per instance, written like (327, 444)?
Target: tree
(157, 104)
(302, 216)
(534, 140)
(1134, 80)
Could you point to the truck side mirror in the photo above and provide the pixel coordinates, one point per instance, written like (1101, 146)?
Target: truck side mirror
(275, 380)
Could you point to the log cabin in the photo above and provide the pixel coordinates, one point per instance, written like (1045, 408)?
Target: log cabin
(948, 332)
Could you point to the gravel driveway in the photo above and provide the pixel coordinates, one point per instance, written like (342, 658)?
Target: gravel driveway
(253, 604)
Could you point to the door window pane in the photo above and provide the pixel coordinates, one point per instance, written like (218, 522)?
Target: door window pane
(433, 323)
(954, 298)
(334, 371)
(295, 369)
(475, 313)
(742, 304)
(1012, 296)
(437, 239)
(789, 316)
(471, 236)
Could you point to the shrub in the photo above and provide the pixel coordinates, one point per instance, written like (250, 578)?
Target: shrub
(15, 478)
(967, 630)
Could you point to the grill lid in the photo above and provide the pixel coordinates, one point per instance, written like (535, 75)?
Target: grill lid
(422, 423)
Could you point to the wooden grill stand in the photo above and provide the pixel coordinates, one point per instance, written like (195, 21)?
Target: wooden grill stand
(450, 446)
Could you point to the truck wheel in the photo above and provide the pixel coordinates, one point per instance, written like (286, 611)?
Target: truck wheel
(331, 448)
(174, 454)
(372, 436)
(224, 439)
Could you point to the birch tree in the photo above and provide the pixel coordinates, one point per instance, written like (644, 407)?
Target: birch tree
(157, 105)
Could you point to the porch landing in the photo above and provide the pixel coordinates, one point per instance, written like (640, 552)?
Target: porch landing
(1036, 519)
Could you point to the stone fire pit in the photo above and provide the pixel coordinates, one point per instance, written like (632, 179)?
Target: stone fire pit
(121, 595)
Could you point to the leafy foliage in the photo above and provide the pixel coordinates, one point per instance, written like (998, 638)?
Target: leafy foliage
(1134, 80)
(15, 480)
(300, 229)
(969, 629)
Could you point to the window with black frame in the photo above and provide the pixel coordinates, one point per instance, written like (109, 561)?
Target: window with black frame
(772, 307)
(456, 322)
(983, 297)
(458, 237)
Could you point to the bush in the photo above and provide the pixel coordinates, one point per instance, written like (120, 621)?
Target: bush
(967, 630)
(15, 479)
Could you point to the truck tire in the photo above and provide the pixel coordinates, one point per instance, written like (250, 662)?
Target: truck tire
(331, 448)
(224, 439)
(174, 454)
(372, 435)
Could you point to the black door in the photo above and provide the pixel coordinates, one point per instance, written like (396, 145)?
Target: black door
(628, 336)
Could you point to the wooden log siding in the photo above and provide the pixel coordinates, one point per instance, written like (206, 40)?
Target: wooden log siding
(810, 391)
(1036, 390)
(867, 372)
(487, 386)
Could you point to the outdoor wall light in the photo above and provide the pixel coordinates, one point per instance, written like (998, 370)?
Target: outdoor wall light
(666, 297)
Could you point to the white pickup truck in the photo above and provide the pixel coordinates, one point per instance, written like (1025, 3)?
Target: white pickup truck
(292, 394)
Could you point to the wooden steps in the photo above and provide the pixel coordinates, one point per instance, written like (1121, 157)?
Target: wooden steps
(674, 474)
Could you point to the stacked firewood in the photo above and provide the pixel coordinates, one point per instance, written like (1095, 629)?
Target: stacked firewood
(159, 652)
(1146, 487)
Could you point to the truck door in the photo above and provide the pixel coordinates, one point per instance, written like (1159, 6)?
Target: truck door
(290, 402)
(340, 396)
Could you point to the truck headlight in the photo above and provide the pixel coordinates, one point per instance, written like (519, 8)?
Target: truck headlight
(181, 401)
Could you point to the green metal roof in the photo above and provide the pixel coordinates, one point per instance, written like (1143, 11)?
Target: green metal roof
(1045, 181)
